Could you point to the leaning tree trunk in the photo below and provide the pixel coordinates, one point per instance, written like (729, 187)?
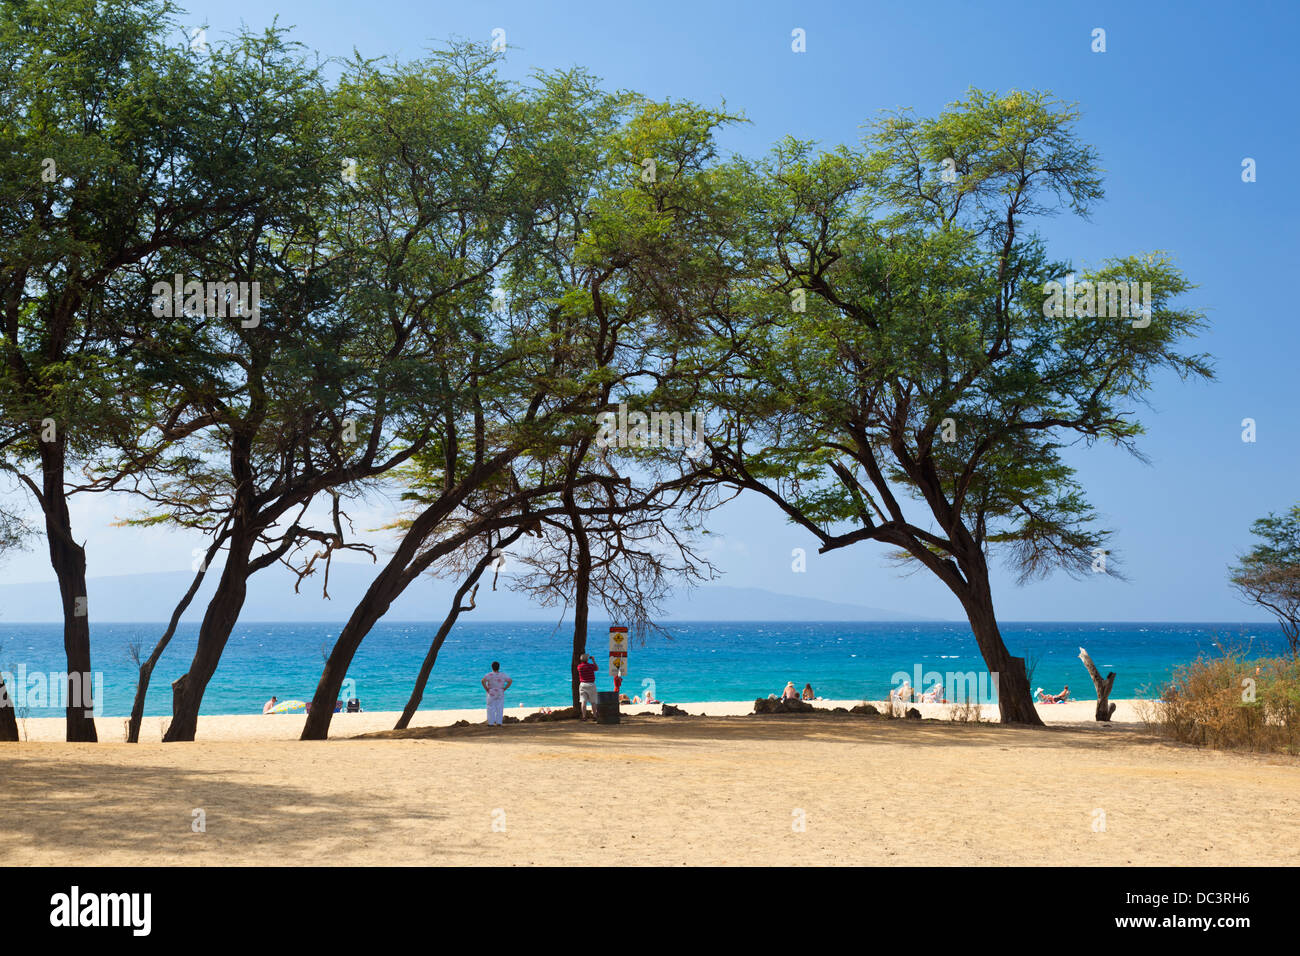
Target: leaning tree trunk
(1105, 710)
(1015, 699)
(69, 562)
(8, 720)
(146, 669)
(218, 623)
(431, 658)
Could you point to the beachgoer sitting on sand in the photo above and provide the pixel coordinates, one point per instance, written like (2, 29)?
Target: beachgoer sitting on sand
(808, 692)
(790, 693)
(934, 695)
(903, 692)
(650, 698)
(636, 698)
(354, 706)
(269, 705)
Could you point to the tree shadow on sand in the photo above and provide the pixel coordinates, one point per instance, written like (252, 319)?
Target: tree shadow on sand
(824, 728)
(53, 808)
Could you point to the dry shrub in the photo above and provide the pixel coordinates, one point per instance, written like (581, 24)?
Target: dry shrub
(1230, 702)
(966, 712)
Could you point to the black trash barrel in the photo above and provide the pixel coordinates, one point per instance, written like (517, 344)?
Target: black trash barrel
(607, 707)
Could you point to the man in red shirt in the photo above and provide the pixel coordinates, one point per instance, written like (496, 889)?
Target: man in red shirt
(586, 685)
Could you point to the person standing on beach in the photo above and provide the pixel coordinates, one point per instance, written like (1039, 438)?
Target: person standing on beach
(496, 684)
(586, 686)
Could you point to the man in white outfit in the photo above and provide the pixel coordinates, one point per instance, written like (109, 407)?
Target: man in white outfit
(496, 684)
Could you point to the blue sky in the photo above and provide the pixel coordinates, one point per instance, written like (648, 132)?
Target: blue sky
(1183, 93)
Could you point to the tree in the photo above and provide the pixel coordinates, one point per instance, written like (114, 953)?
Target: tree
(312, 394)
(595, 283)
(1269, 573)
(895, 367)
(113, 147)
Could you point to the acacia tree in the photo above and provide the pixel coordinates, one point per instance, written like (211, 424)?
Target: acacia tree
(390, 213)
(115, 146)
(895, 368)
(1269, 573)
(590, 291)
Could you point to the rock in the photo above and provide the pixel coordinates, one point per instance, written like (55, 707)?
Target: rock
(912, 714)
(567, 713)
(866, 710)
(670, 711)
(766, 705)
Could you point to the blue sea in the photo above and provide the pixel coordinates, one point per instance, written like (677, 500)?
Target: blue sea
(704, 661)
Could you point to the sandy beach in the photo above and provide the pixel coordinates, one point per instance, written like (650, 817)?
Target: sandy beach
(713, 790)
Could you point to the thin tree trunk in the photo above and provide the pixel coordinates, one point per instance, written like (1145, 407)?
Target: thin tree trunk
(1105, 710)
(431, 658)
(69, 562)
(146, 669)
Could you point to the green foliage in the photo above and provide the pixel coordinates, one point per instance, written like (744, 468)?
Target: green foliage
(1269, 573)
(923, 363)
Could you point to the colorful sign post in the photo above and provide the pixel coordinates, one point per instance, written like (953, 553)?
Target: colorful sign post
(618, 655)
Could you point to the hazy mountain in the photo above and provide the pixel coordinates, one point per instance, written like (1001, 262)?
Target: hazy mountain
(152, 597)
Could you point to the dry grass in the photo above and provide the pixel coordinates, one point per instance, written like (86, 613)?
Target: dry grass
(1230, 702)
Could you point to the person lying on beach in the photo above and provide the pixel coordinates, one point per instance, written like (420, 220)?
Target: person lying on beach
(622, 699)
(790, 693)
(935, 694)
(269, 705)
(1045, 698)
(808, 692)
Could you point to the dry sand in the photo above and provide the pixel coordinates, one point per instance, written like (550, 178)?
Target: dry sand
(722, 790)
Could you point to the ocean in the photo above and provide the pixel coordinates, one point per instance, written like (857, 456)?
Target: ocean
(703, 661)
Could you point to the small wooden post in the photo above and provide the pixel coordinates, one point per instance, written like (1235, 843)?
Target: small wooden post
(1105, 709)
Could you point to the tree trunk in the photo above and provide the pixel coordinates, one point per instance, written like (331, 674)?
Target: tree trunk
(218, 623)
(431, 658)
(406, 564)
(146, 669)
(1105, 710)
(8, 719)
(69, 562)
(1015, 698)
(581, 594)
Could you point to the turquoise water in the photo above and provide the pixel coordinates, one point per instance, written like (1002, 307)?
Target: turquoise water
(704, 661)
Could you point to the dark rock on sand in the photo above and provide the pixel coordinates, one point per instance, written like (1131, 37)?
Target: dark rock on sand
(766, 705)
(866, 710)
(567, 713)
(912, 714)
(670, 711)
